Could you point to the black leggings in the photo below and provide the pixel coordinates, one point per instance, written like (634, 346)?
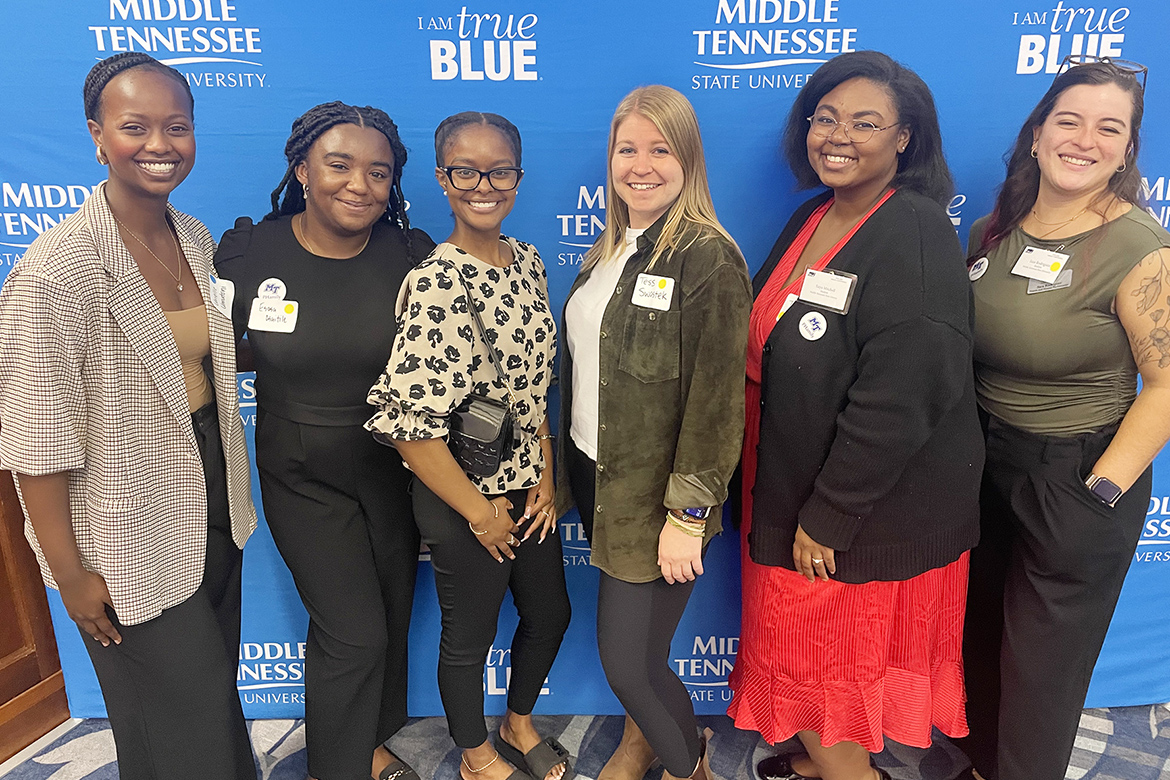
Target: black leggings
(471, 586)
(635, 624)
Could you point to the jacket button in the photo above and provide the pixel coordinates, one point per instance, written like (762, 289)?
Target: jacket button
(618, 291)
(600, 467)
(653, 316)
(601, 427)
(599, 509)
(604, 335)
(604, 382)
(767, 348)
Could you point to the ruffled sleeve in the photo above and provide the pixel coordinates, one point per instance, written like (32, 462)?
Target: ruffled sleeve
(428, 373)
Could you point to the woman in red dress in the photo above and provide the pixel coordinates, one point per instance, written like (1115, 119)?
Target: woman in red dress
(863, 449)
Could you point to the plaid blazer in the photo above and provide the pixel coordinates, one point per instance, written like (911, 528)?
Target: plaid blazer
(90, 383)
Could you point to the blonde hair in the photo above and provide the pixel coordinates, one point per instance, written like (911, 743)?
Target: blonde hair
(692, 216)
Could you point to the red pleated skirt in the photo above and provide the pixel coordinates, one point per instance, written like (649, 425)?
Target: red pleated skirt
(850, 662)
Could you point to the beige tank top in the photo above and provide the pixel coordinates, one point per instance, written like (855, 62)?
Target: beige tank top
(190, 330)
(1057, 361)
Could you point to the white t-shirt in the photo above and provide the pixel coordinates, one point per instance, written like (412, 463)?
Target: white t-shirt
(583, 315)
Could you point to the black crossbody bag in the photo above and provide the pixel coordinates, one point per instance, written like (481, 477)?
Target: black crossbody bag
(482, 432)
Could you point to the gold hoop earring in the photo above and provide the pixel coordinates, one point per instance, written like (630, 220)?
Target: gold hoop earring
(1122, 168)
(101, 156)
(1033, 152)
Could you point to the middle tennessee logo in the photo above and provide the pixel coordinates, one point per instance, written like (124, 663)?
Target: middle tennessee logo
(1154, 545)
(755, 35)
(705, 671)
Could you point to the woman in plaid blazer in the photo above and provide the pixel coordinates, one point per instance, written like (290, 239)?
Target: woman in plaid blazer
(130, 458)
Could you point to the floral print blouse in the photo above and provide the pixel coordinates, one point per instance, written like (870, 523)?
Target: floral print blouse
(439, 357)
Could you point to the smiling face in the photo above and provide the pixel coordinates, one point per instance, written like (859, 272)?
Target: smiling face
(484, 148)
(1084, 140)
(349, 171)
(146, 132)
(645, 172)
(857, 170)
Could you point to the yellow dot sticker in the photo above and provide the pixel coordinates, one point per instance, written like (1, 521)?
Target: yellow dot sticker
(661, 284)
(288, 308)
(1055, 266)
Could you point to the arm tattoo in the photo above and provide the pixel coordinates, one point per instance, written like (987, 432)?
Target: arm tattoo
(1155, 345)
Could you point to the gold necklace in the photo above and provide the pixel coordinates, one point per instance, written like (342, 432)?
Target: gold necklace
(178, 254)
(1058, 225)
(309, 244)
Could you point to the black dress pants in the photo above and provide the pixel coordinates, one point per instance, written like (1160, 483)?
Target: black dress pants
(338, 507)
(636, 622)
(1045, 579)
(471, 586)
(170, 686)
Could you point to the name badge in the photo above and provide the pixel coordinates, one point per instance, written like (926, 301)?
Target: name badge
(1062, 281)
(273, 315)
(223, 293)
(1043, 265)
(653, 292)
(791, 299)
(832, 290)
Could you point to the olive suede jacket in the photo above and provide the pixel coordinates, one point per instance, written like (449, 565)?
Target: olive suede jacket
(671, 405)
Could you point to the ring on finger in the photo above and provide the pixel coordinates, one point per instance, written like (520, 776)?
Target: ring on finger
(512, 540)
(818, 560)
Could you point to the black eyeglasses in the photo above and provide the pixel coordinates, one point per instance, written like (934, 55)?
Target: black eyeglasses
(858, 131)
(465, 179)
(1135, 69)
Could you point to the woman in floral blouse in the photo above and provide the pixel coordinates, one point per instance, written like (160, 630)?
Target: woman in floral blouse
(486, 534)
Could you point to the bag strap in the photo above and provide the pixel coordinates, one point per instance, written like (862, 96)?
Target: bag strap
(495, 360)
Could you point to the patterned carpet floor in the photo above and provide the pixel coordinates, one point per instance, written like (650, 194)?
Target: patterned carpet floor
(1128, 743)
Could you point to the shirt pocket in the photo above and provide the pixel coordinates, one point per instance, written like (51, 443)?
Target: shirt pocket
(650, 348)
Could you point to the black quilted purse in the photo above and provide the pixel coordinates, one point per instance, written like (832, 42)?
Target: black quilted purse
(481, 432)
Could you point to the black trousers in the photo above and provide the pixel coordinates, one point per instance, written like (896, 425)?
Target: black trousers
(1045, 579)
(338, 506)
(471, 586)
(170, 686)
(636, 622)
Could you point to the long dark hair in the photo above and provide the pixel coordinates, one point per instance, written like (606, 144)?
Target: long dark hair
(1017, 194)
(922, 167)
(101, 74)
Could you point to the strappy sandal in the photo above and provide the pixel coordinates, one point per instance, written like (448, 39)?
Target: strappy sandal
(539, 761)
(398, 770)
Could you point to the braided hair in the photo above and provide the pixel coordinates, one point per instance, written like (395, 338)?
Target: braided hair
(310, 126)
(450, 127)
(101, 74)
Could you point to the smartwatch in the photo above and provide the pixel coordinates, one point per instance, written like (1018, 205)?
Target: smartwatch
(1104, 489)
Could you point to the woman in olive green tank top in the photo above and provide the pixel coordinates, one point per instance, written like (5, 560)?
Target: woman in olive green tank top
(1072, 289)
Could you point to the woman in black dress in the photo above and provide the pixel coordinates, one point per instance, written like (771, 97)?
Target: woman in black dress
(313, 284)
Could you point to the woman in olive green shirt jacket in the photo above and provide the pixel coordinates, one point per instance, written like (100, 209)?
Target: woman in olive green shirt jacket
(652, 412)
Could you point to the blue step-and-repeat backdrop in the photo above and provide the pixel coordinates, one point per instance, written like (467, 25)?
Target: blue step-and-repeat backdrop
(557, 70)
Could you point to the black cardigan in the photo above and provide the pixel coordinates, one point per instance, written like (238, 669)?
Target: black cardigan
(869, 435)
